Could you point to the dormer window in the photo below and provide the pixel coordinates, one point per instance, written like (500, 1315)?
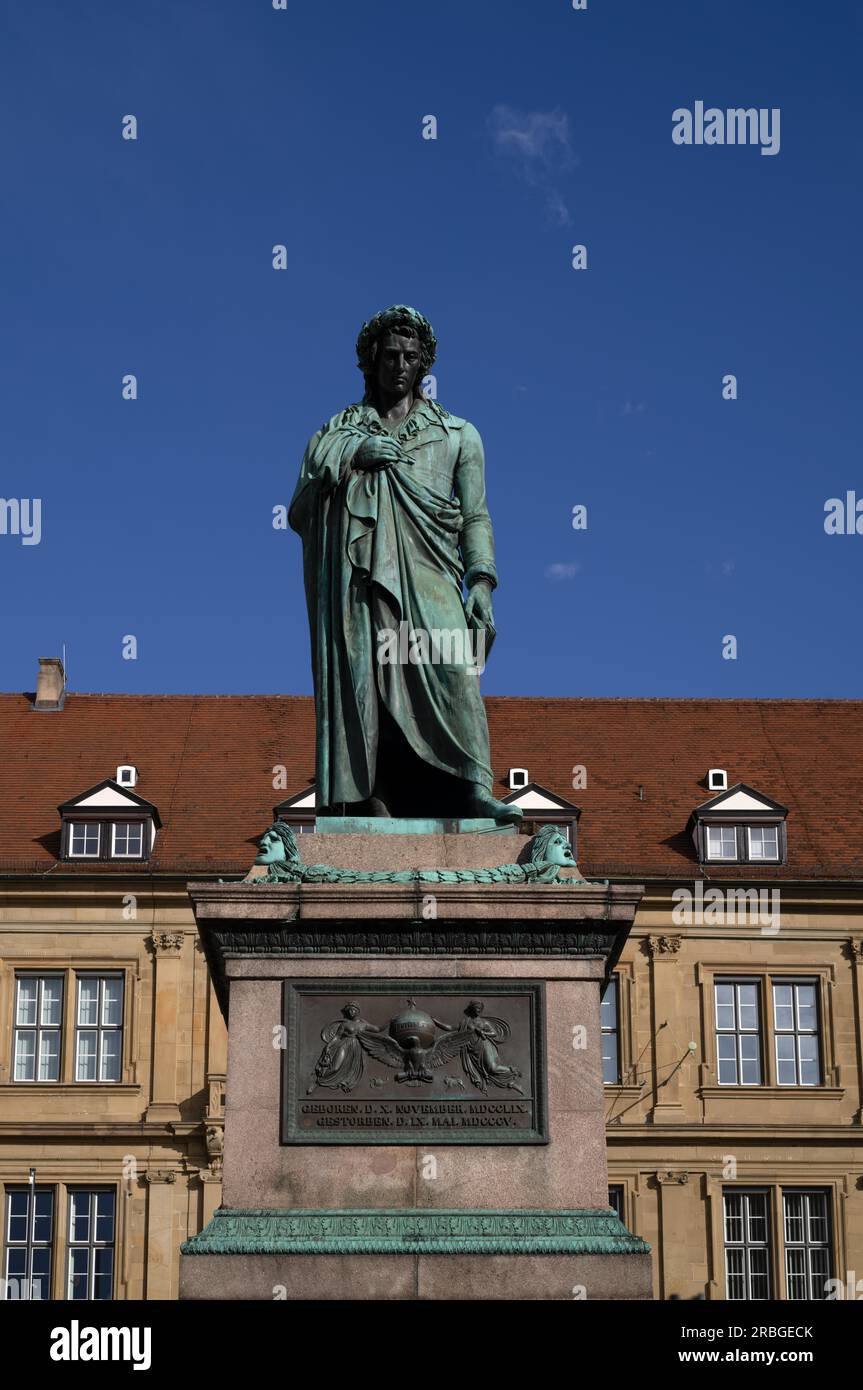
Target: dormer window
(108, 822)
(740, 826)
(298, 811)
(542, 807)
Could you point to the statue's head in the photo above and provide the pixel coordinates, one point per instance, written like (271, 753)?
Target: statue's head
(351, 1010)
(395, 350)
(550, 846)
(475, 1008)
(277, 845)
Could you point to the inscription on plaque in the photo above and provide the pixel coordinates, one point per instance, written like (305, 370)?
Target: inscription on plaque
(411, 1062)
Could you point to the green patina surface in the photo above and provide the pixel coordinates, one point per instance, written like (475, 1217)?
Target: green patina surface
(546, 854)
(401, 825)
(370, 1231)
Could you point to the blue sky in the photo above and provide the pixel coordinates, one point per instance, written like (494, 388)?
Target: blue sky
(601, 387)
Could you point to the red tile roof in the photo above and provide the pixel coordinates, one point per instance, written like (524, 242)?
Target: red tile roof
(207, 763)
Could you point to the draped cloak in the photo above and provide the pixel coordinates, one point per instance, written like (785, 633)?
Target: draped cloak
(384, 548)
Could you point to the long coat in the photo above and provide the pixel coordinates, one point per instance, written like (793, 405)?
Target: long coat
(388, 550)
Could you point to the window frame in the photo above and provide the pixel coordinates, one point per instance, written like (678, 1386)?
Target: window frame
(612, 984)
(741, 825)
(807, 1245)
(794, 982)
(91, 1245)
(711, 972)
(106, 822)
(38, 1028)
(115, 825)
(30, 1244)
(762, 859)
(738, 1033)
(747, 1245)
(70, 838)
(99, 1028)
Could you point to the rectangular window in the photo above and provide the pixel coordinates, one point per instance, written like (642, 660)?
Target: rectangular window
(795, 1024)
(91, 1243)
(609, 1032)
(38, 1017)
(127, 840)
(738, 1033)
(615, 1198)
(807, 1244)
(721, 842)
(29, 1236)
(99, 1028)
(84, 840)
(747, 1244)
(763, 842)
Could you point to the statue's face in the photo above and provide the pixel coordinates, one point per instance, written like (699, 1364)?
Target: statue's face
(351, 1011)
(558, 851)
(397, 364)
(271, 849)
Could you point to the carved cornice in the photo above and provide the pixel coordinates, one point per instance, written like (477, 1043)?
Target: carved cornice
(376, 1232)
(164, 1175)
(853, 949)
(666, 1177)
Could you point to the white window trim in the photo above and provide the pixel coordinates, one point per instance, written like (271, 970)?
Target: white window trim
(78, 854)
(114, 852)
(721, 858)
(99, 1028)
(762, 858)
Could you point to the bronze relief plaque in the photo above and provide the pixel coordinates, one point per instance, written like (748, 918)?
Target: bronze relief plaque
(414, 1062)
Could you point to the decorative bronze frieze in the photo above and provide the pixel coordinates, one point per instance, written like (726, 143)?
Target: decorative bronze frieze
(414, 1062)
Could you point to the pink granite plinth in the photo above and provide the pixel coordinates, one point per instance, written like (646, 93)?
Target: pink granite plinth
(569, 1278)
(262, 1174)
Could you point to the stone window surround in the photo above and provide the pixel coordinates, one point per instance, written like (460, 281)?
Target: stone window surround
(23, 964)
(823, 977)
(62, 1186)
(836, 1191)
(629, 1088)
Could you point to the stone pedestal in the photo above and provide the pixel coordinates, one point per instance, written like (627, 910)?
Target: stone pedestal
(426, 1214)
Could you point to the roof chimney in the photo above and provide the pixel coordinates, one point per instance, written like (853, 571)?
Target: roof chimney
(50, 684)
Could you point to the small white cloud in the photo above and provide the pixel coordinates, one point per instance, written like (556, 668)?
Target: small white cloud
(537, 144)
(560, 572)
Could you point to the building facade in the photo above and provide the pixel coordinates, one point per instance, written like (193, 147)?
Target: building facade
(732, 1029)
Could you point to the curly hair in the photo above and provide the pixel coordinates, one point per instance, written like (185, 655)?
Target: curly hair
(399, 318)
(286, 835)
(539, 844)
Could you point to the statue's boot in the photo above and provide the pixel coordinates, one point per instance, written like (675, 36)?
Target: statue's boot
(481, 805)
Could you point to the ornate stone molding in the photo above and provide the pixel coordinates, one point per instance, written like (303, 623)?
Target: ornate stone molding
(666, 1177)
(454, 940)
(412, 1232)
(166, 943)
(163, 1175)
(853, 949)
(663, 945)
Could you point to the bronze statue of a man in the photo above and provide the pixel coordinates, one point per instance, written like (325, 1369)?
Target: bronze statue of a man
(391, 508)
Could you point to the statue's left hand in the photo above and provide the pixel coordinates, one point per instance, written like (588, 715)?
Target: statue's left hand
(478, 609)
